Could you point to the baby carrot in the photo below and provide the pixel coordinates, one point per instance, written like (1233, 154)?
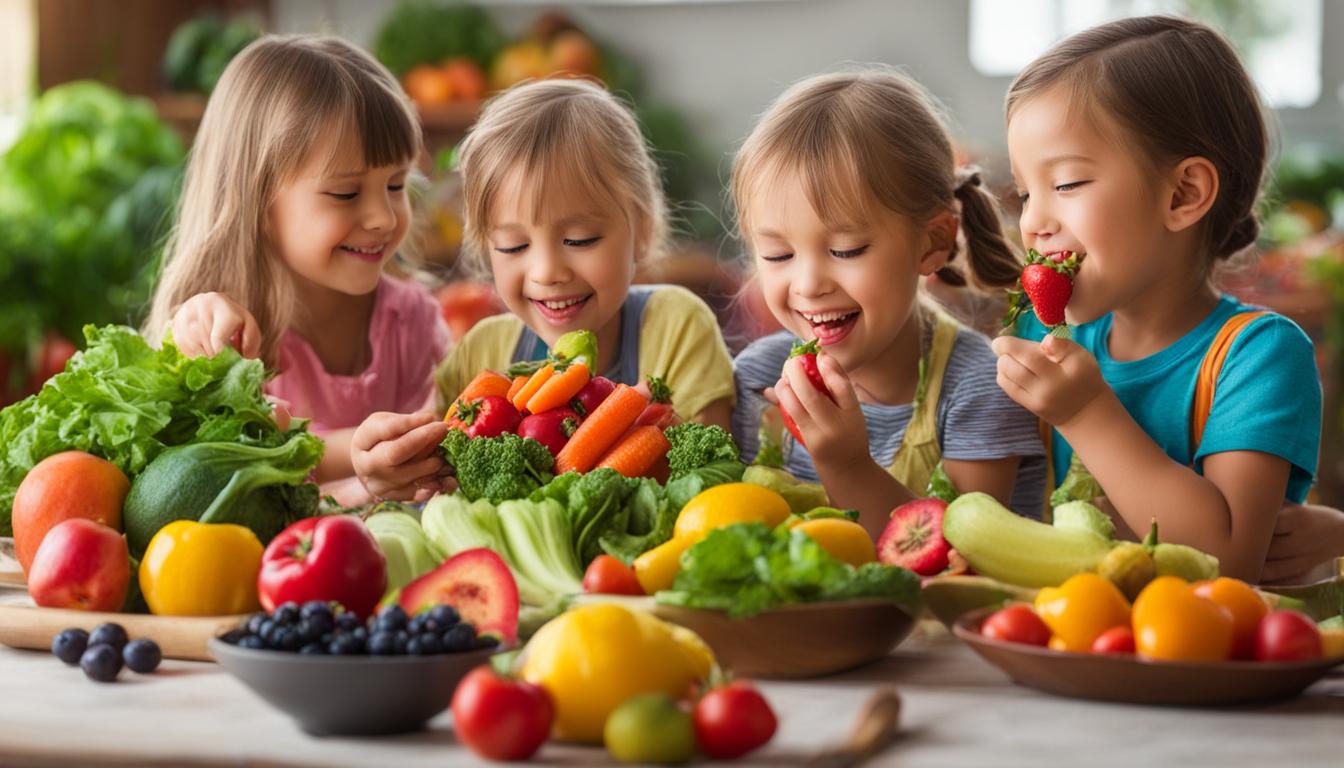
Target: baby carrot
(518, 383)
(486, 384)
(558, 389)
(607, 424)
(638, 452)
(533, 384)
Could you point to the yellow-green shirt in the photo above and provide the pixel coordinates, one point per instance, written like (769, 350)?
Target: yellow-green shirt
(666, 331)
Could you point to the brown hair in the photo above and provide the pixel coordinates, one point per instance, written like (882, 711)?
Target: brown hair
(874, 137)
(256, 135)
(1180, 91)
(570, 129)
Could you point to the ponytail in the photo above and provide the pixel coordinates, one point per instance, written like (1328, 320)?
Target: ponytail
(994, 262)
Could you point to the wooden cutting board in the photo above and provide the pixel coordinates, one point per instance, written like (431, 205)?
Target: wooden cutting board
(24, 625)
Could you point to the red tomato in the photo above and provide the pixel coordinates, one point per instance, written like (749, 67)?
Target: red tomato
(732, 720)
(1016, 624)
(1287, 636)
(551, 428)
(333, 557)
(609, 576)
(501, 718)
(487, 416)
(1116, 640)
(50, 360)
(592, 395)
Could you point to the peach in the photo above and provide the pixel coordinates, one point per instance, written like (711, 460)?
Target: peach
(64, 486)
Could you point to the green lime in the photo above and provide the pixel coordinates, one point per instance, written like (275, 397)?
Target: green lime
(650, 728)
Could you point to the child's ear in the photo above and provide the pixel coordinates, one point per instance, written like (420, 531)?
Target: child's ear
(1193, 188)
(941, 233)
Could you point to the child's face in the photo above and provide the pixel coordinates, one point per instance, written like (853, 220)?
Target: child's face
(336, 227)
(1086, 192)
(851, 287)
(565, 268)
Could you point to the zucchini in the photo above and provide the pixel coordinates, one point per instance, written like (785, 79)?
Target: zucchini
(1014, 549)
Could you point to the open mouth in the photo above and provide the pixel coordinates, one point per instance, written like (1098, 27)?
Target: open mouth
(832, 326)
(1060, 256)
(372, 253)
(561, 309)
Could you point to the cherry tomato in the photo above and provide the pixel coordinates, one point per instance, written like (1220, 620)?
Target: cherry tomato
(1287, 636)
(1116, 640)
(609, 576)
(551, 428)
(487, 416)
(1016, 624)
(732, 720)
(501, 718)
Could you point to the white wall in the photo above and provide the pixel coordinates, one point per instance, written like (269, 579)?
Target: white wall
(721, 62)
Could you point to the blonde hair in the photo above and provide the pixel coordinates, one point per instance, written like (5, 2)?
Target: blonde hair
(560, 129)
(256, 135)
(873, 137)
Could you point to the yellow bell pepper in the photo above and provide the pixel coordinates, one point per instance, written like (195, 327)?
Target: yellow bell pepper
(1080, 609)
(845, 540)
(1172, 623)
(201, 569)
(657, 568)
(593, 658)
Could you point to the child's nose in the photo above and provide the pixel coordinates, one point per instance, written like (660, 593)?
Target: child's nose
(810, 278)
(1037, 222)
(379, 214)
(547, 265)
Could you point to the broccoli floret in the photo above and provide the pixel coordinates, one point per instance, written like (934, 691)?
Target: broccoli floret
(497, 468)
(695, 445)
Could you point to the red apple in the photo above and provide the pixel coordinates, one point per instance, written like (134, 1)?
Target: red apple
(81, 565)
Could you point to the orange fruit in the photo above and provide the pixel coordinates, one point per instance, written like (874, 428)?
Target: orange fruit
(1244, 603)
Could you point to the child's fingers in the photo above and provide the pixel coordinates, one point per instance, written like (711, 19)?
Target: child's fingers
(769, 394)
(249, 339)
(1289, 569)
(1013, 370)
(384, 426)
(789, 401)
(838, 382)
(222, 329)
(1056, 349)
(813, 399)
(1012, 389)
(416, 445)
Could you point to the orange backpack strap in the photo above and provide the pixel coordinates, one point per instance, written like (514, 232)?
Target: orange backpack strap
(1209, 370)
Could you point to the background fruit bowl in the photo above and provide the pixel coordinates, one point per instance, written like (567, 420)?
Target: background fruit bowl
(1130, 680)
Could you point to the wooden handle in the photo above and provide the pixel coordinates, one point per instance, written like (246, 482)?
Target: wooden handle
(179, 637)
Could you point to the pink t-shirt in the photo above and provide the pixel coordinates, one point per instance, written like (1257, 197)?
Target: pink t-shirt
(408, 337)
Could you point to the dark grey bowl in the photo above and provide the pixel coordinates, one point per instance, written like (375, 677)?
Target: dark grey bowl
(351, 695)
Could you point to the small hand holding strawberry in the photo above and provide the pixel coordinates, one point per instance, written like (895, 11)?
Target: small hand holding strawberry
(826, 418)
(1046, 286)
(1055, 379)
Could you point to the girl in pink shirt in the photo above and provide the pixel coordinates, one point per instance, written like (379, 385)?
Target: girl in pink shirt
(293, 203)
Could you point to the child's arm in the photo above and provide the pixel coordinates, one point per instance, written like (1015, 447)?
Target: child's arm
(1228, 512)
(396, 456)
(335, 463)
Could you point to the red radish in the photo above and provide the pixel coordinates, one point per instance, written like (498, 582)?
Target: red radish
(551, 428)
(485, 416)
(592, 395)
(659, 411)
(914, 538)
(808, 352)
(476, 582)
(1046, 286)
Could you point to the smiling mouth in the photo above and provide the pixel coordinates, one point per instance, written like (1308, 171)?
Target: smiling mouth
(369, 253)
(559, 310)
(831, 326)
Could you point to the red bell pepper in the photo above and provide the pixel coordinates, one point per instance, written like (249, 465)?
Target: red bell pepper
(323, 558)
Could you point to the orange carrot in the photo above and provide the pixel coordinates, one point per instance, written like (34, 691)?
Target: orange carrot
(486, 384)
(518, 383)
(638, 452)
(601, 430)
(558, 389)
(533, 384)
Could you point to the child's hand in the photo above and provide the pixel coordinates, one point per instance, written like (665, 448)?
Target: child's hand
(396, 456)
(836, 432)
(208, 322)
(1055, 379)
(1305, 536)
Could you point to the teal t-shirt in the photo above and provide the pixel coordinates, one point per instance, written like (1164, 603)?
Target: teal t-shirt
(1267, 398)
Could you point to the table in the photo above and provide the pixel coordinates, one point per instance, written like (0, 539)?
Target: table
(957, 711)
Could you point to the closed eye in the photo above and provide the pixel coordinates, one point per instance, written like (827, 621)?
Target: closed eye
(779, 257)
(395, 187)
(343, 195)
(1070, 186)
(512, 249)
(849, 254)
(582, 243)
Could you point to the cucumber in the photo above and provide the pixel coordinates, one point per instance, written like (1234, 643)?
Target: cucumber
(1014, 549)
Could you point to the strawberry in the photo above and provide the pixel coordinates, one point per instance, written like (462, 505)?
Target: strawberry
(1046, 286)
(914, 539)
(808, 352)
(659, 411)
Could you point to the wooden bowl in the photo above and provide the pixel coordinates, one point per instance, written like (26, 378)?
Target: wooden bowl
(798, 641)
(949, 598)
(1131, 680)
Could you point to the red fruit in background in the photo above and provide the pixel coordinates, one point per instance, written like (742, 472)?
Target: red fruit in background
(51, 360)
(1017, 623)
(914, 539)
(609, 576)
(427, 84)
(1116, 640)
(808, 352)
(593, 393)
(467, 77)
(62, 486)
(82, 565)
(323, 558)
(551, 428)
(1287, 636)
(478, 583)
(467, 302)
(487, 416)
(501, 718)
(732, 720)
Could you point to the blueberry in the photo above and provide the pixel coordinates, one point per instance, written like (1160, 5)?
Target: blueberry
(142, 656)
(347, 621)
(101, 662)
(361, 634)
(432, 627)
(252, 641)
(401, 639)
(430, 644)
(314, 608)
(458, 639)
(416, 625)
(111, 634)
(444, 615)
(286, 639)
(69, 645)
(266, 629)
(391, 618)
(234, 635)
(288, 613)
(345, 645)
(311, 630)
(254, 622)
(383, 643)
(313, 649)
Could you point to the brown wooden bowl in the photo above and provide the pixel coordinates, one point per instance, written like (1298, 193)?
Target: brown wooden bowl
(797, 641)
(1131, 680)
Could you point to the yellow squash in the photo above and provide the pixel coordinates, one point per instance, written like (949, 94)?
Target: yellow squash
(201, 569)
